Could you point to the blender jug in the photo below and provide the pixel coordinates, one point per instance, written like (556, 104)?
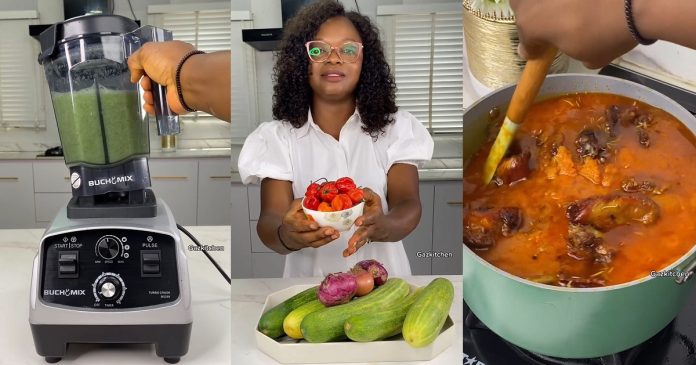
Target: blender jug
(102, 128)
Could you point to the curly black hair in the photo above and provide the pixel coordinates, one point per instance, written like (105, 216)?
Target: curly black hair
(292, 94)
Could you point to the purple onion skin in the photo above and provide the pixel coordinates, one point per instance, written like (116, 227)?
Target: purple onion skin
(375, 268)
(338, 288)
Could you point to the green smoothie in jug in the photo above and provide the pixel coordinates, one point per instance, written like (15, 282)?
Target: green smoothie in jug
(100, 129)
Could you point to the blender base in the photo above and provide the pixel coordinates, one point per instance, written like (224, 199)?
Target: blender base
(171, 340)
(145, 206)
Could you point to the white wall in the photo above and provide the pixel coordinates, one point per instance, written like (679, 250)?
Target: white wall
(6, 5)
(267, 14)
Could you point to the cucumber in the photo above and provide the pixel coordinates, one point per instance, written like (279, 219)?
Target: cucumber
(326, 324)
(271, 322)
(427, 315)
(291, 323)
(375, 326)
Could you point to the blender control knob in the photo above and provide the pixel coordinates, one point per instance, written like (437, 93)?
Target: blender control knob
(108, 247)
(109, 288)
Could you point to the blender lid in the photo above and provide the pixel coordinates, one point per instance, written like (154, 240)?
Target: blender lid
(82, 25)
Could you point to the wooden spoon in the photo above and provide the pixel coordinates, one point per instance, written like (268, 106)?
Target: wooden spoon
(526, 91)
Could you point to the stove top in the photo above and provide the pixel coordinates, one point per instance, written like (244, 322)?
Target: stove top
(684, 97)
(674, 345)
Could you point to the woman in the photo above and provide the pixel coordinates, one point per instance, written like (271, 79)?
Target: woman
(335, 116)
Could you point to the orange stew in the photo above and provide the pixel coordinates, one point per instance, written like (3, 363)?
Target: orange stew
(596, 190)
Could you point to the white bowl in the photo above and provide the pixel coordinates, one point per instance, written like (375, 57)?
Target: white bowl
(340, 220)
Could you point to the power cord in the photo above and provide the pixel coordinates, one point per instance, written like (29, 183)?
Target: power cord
(131, 9)
(217, 266)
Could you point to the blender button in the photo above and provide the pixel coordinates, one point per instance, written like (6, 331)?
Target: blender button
(67, 270)
(67, 264)
(126, 255)
(150, 262)
(151, 269)
(151, 257)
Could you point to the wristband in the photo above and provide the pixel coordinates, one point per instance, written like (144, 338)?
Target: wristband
(628, 10)
(177, 78)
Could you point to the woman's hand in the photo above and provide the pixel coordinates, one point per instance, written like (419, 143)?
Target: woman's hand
(157, 61)
(404, 210)
(372, 225)
(591, 31)
(298, 232)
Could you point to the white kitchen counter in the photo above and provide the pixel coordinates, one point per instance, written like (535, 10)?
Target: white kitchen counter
(210, 335)
(249, 295)
(154, 153)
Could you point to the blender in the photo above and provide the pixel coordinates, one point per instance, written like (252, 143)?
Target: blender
(111, 267)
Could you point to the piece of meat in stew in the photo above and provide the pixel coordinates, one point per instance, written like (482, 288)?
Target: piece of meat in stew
(610, 211)
(483, 227)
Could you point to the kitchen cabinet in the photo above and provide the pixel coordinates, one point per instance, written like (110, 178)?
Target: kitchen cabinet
(254, 195)
(51, 189)
(447, 228)
(48, 205)
(256, 244)
(267, 265)
(240, 233)
(175, 182)
(213, 188)
(51, 176)
(420, 241)
(16, 195)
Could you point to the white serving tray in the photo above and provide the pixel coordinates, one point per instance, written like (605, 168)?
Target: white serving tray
(289, 351)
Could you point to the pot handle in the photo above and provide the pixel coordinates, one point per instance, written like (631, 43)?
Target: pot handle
(688, 272)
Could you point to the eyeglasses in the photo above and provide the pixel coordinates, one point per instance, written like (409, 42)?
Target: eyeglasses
(320, 51)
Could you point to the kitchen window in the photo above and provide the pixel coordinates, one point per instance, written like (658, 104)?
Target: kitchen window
(21, 77)
(424, 50)
(207, 27)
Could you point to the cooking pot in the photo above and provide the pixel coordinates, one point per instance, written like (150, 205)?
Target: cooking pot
(572, 322)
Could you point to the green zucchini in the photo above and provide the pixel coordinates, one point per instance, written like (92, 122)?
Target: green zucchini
(271, 322)
(375, 326)
(326, 324)
(291, 323)
(427, 315)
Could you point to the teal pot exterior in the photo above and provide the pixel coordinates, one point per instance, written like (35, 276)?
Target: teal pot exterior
(572, 322)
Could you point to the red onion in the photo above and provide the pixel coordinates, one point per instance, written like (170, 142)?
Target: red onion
(338, 288)
(375, 268)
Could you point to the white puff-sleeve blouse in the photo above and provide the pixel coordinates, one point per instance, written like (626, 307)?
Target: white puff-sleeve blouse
(279, 151)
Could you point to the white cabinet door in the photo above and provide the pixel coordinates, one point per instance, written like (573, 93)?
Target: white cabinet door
(256, 244)
(48, 205)
(175, 182)
(51, 177)
(447, 228)
(214, 207)
(16, 195)
(241, 240)
(420, 241)
(268, 265)
(254, 194)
